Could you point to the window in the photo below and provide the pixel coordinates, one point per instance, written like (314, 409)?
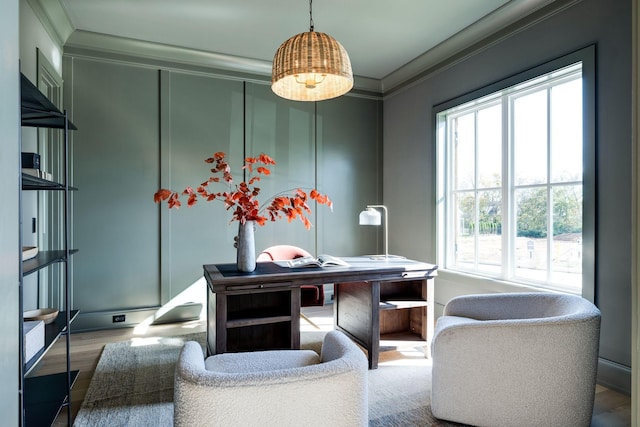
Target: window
(511, 181)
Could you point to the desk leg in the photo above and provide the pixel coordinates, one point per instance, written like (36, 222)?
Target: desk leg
(357, 314)
(295, 318)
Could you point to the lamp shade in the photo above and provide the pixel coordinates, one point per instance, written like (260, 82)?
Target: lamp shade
(370, 217)
(311, 66)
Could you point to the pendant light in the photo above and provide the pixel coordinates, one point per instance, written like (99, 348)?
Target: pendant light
(311, 66)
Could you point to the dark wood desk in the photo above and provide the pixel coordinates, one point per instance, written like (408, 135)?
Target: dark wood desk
(261, 310)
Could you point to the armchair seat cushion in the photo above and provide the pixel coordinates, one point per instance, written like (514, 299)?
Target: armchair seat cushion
(271, 360)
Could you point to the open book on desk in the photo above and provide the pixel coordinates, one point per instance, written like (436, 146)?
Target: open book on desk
(321, 261)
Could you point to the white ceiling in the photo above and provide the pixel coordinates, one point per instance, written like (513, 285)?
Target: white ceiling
(381, 36)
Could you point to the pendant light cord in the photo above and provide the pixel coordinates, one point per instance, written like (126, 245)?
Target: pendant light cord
(310, 15)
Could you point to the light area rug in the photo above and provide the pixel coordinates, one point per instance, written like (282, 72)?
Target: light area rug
(133, 384)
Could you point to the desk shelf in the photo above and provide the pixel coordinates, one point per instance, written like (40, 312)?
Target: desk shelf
(392, 304)
(267, 336)
(254, 321)
(404, 308)
(251, 318)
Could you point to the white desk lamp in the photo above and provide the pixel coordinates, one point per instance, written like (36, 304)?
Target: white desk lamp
(371, 216)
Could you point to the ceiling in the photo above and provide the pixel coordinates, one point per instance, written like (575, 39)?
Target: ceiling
(381, 37)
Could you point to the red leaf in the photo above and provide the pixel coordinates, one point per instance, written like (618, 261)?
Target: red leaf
(264, 159)
(306, 222)
(162, 194)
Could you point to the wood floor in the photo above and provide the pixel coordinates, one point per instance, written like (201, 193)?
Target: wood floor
(611, 409)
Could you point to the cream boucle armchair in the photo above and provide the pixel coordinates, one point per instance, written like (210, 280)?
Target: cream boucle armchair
(273, 388)
(518, 359)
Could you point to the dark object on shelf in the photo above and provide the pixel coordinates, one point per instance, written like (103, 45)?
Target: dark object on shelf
(31, 160)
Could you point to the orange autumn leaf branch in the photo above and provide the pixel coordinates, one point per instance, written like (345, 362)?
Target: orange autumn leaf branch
(241, 198)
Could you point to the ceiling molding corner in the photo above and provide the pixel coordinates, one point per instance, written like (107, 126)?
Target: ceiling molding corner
(486, 27)
(367, 84)
(53, 18)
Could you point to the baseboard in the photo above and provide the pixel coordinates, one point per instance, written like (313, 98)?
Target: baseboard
(105, 319)
(179, 313)
(614, 376)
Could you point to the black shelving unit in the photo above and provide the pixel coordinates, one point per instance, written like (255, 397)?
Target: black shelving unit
(43, 397)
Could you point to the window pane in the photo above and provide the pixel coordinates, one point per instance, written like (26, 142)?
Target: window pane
(566, 132)
(530, 138)
(510, 182)
(464, 152)
(490, 231)
(464, 224)
(531, 234)
(566, 268)
(490, 147)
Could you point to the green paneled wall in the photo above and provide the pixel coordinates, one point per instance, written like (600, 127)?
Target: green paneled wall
(285, 131)
(350, 164)
(200, 115)
(115, 166)
(142, 128)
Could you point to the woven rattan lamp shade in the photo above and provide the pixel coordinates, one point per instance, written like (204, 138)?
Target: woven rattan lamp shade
(311, 66)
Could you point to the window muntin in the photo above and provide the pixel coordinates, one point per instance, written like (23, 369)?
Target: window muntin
(512, 181)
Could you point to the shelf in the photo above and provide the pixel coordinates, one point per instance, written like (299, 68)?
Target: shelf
(52, 332)
(30, 182)
(240, 323)
(44, 396)
(393, 304)
(258, 313)
(272, 336)
(44, 259)
(397, 340)
(37, 110)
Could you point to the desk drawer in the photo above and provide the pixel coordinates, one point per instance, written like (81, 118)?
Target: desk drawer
(257, 286)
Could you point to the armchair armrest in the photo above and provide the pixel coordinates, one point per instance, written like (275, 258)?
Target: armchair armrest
(529, 305)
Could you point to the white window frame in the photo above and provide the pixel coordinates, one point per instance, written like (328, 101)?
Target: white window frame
(498, 93)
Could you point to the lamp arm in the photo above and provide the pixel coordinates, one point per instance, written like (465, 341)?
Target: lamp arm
(386, 228)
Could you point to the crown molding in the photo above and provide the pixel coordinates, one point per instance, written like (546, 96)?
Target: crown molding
(56, 22)
(162, 52)
(53, 18)
(498, 25)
